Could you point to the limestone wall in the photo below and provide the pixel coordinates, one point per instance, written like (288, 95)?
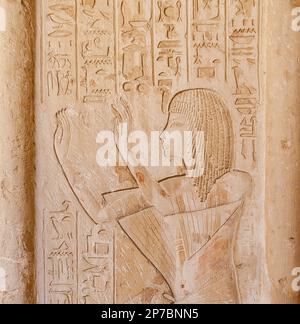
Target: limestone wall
(128, 233)
(103, 233)
(282, 172)
(17, 152)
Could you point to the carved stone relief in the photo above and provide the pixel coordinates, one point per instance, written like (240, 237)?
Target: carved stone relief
(149, 234)
(135, 234)
(214, 220)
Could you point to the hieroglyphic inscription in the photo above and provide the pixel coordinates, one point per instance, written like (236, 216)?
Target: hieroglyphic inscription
(170, 50)
(59, 48)
(78, 54)
(97, 50)
(135, 45)
(243, 23)
(96, 264)
(60, 255)
(208, 40)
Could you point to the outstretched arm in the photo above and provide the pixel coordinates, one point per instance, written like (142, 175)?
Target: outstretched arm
(152, 191)
(90, 200)
(126, 203)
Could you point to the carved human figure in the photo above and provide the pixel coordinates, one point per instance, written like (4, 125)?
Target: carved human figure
(187, 227)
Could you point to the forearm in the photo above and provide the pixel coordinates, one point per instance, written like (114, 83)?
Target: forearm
(135, 202)
(86, 198)
(129, 204)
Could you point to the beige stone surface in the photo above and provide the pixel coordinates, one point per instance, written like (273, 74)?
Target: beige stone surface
(283, 139)
(17, 153)
(150, 234)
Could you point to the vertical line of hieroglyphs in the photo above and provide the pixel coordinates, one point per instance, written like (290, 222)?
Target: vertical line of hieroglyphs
(243, 36)
(171, 50)
(97, 51)
(59, 50)
(60, 255)
(98, 46)
(208, 42)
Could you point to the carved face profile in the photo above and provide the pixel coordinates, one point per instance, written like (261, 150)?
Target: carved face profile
(204, 110)
(175, 124)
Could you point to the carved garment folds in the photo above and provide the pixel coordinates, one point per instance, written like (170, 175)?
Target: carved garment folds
(196, 225)
(149, 151)
(130, 233)
(140, 234)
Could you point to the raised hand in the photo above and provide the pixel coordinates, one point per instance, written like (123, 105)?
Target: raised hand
(62, 136)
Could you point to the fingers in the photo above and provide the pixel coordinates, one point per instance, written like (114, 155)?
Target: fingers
(126, 110)
(63, 128)
(121, 110)
(116, 112)
(59, 128)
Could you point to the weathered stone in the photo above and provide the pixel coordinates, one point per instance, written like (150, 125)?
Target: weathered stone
(221, 229)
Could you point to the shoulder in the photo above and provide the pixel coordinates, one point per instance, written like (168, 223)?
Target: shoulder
(238, 183)
(233, 186)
